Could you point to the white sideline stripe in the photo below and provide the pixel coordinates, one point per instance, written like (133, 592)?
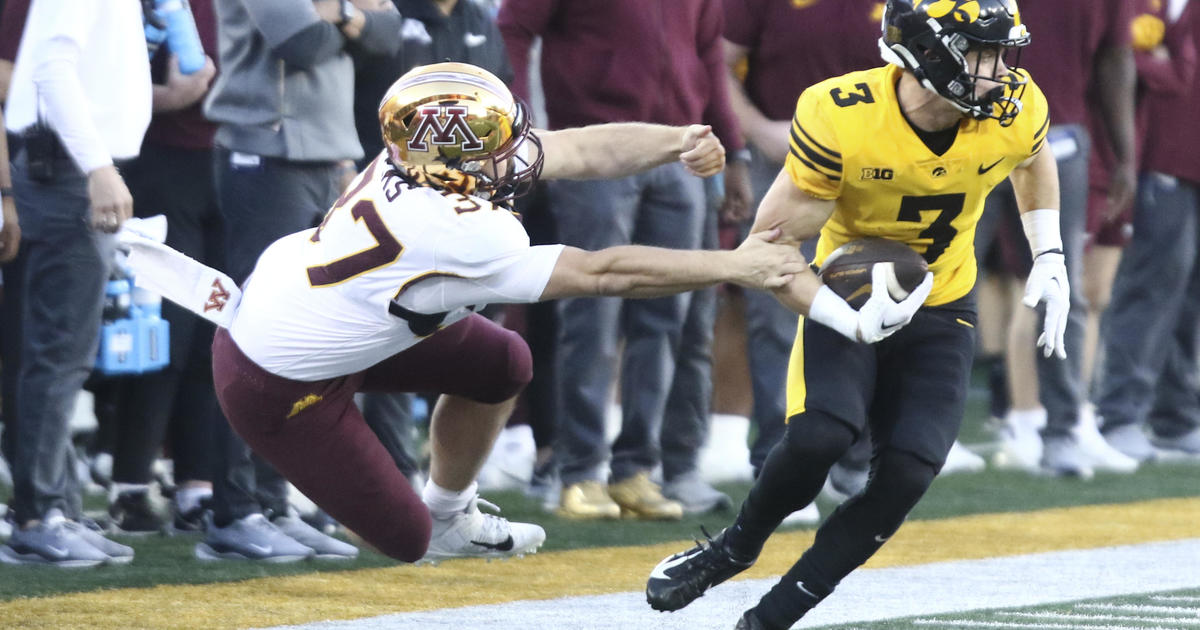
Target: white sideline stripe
(1078, 617)
(1176, 598)
(968, 623)
(866, 595)
(1142, 608)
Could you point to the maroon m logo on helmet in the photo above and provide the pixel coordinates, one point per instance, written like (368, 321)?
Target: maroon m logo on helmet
(446, 123)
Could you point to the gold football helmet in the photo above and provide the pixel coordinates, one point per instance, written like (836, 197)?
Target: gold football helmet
(461, 117)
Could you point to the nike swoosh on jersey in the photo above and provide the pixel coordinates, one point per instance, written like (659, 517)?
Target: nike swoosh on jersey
(983, 169)
(472, 40)
(800, 585)
(881, 539)
(503, 545)
(660, 571)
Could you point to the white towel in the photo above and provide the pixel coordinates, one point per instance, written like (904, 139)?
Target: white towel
(179, 278)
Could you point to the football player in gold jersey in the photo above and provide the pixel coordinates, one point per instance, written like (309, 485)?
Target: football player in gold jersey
(906, 152)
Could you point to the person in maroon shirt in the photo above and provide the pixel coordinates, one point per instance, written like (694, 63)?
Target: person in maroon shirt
(625, 60)
(1086, 63)
(1149, 377)
(1166, 61)
(172, 176)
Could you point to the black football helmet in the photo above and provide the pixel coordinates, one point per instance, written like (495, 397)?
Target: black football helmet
(930, 38)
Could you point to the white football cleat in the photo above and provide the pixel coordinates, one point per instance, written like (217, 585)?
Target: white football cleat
(473, 534)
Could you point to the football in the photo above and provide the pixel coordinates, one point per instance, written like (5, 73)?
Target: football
(847, 271)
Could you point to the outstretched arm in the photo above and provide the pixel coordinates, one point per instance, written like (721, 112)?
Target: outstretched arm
(641, 272)
(621, 149)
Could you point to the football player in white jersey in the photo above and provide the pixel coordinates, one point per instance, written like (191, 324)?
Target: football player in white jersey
(381, 297)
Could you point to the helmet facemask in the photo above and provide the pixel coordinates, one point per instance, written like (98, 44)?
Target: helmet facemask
(511, 172)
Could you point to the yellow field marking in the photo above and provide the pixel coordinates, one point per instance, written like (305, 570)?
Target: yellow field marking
(371, 592)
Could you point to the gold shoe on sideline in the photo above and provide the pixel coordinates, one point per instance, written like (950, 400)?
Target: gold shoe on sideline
(643, 499)
(587, 500)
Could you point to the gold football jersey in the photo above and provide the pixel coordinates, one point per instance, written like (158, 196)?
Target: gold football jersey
(851, 143)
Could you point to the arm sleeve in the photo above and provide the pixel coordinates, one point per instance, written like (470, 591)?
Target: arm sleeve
(279, 20)
(1174, 74)
(814, 160)
(1119, 33)
(310, 45)
(521, 21)
(55, 74)
(485, 258)
(743, 21)
(717, 112)
(12, 23)
(381, 34)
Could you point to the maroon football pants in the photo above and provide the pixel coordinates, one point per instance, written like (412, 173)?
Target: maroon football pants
(315, 436)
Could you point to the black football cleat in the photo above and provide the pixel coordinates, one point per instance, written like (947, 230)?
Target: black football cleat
(681, 578)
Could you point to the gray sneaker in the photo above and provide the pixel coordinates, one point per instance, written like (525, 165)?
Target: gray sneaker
(848, 480)
(6, 526)
(51, 543)
(1062, 455)
(324, 547)
(116, 552)
(249, 538)
(696, 495)
(1188, 443)
(1131, 440)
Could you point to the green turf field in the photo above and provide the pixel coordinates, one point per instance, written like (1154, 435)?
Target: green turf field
(169, 560)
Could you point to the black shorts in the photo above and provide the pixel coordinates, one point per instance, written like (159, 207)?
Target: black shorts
(911, 387)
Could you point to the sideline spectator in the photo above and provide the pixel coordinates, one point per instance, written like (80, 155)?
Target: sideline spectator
(172, 176)
(1086, 63)
(595, 70)
(1149, 380)
(80, 99)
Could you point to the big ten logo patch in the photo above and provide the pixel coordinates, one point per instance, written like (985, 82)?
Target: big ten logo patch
(886, 174)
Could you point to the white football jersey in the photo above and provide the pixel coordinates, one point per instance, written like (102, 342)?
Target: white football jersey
(320, 302)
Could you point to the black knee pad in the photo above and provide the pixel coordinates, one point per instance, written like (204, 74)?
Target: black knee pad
(817, 436)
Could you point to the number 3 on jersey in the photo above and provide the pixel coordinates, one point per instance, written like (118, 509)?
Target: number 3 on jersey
(948, 206)
(385, 251)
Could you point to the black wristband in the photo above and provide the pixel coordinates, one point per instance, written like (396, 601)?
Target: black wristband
(1056, 250)
(6, 191)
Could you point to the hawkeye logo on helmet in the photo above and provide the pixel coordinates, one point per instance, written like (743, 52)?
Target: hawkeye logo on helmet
(965, 11)
(444, 124)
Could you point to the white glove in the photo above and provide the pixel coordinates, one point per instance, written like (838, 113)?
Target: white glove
(879, 318)
(1048, 283)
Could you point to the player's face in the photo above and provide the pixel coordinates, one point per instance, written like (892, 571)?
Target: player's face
(987, 64)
